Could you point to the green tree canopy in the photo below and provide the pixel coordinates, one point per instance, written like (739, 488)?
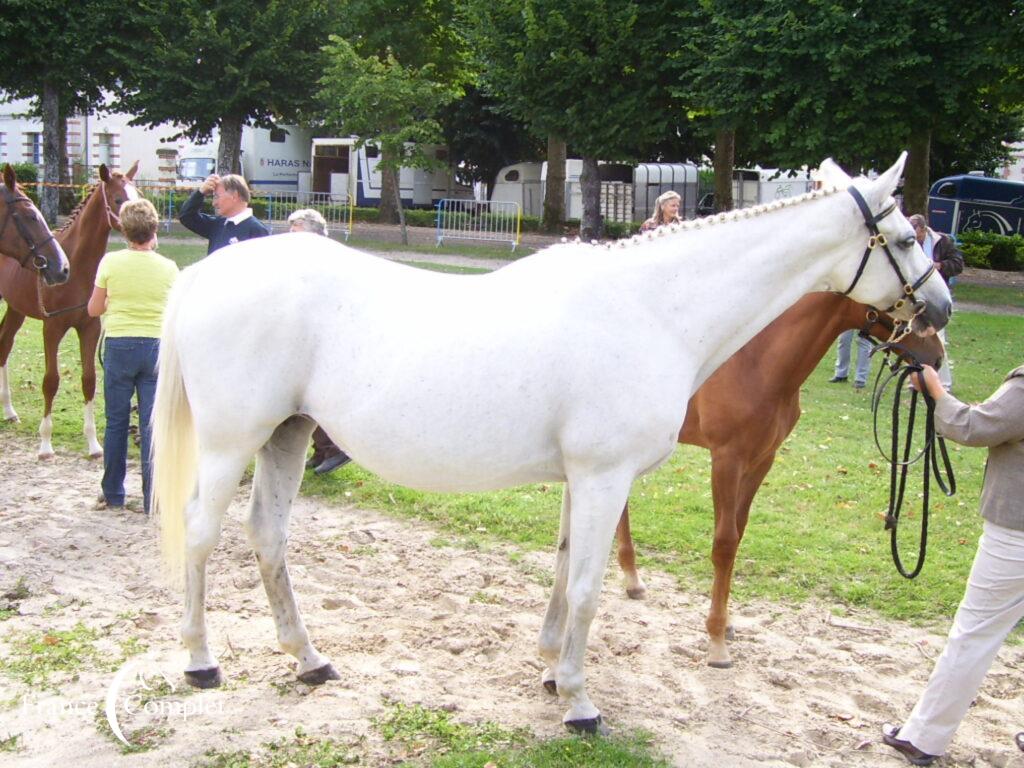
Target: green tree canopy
(223, 65)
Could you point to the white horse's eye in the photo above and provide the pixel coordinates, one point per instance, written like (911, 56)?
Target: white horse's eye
(908, 242)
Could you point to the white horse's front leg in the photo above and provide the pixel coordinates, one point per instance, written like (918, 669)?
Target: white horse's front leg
(5, 397)
(553, 631)
(279, 467)
(89, 430)
(597, 503)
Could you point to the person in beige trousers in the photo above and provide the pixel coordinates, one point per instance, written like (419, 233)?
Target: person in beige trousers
(993, 602)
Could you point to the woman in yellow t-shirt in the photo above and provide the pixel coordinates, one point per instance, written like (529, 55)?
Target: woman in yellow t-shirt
(130, 293)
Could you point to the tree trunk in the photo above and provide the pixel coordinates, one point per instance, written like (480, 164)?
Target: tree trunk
(229, 152)
(725, 154)
(592, 224)
(51, 152)
(554, 188)
(389, 211)
(393, 173)
(915, 173)
(67, 196)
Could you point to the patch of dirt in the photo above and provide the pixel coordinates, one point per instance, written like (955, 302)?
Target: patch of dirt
(404, 620)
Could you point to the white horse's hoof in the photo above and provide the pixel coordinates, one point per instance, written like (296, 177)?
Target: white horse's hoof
(95, 456)
(45, 456)
(320, 675)
(591, 726)
(204, 678)
(15, 419)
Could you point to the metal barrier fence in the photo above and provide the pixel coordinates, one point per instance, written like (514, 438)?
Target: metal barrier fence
(475, 220)
(273, 208)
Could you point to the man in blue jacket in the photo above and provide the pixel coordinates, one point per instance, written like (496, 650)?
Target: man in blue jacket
(234, 221)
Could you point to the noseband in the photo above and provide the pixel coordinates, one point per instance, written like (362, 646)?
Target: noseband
(38, 260)
(878, 239)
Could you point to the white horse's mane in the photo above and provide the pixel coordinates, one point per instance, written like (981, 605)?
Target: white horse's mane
(737, 214)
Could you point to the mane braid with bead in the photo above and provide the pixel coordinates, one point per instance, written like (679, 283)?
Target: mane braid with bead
(736, 214)
(77, 209)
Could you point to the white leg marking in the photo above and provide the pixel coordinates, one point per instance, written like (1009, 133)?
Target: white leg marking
(45, 433)
(5, 397)
(89, 430)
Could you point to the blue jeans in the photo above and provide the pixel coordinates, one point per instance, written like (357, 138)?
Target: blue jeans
(863, 357)
(129, 367)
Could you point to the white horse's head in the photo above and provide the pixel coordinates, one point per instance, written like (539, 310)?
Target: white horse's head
(891, 271)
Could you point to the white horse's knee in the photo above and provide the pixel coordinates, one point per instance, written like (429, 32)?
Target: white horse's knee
(583, 602)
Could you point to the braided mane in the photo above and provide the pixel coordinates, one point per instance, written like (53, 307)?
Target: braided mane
(736, 214)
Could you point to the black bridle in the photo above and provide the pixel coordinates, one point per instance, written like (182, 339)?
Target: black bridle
(878, 239)
(38, 260)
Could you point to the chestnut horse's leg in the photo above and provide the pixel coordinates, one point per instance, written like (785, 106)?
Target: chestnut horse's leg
(279, 467)
(8, 330)
(218, 478)
(635, 587)
(734, 484)
(53, 332)
(88, 336)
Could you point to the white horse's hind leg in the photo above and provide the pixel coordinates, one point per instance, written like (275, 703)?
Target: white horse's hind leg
(219, 475)
(597, 503)
(279, 466)
(553, 631)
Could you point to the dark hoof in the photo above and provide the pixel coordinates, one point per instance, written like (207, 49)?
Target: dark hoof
(592, 726)
(320, 675)
(638, 593)
(204, 678)
(730, 633)
(551, 687)
(720, 664)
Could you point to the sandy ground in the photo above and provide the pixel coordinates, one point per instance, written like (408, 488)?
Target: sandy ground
(403, 619)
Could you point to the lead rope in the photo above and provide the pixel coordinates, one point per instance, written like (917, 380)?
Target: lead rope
(899, 468)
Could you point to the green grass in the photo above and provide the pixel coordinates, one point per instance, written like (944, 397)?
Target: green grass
(991, 295)
(502, 252)
(453, 268)
(421, 737)
(36, 658)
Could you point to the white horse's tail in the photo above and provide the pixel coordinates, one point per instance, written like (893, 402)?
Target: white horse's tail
(175, 451)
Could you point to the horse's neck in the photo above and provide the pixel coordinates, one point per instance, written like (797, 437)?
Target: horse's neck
(743, 274)
(84, 241)
(795, 342)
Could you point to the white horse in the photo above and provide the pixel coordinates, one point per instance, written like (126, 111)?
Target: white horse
(569, 365)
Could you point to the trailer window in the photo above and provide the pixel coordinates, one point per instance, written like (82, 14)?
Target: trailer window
(512, 176)
(278, 135)
(947, 190)
(372, 151)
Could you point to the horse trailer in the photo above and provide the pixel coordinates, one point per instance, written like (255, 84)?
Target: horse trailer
(343, 170)
(628, 192)
(969, 202)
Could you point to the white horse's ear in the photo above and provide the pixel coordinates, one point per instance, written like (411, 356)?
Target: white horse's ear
(886, 184)
(831, 175)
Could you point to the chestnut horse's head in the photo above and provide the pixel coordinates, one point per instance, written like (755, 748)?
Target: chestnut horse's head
(912, 347)
(117, 189)
(24, 235)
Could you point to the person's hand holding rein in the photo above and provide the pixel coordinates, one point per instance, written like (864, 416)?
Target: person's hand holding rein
(928, 381)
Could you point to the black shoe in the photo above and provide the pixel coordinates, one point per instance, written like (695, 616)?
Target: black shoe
(837, 380)
(314, 461)
(908, 750)
(332, 463)
(858, 385)
(1019, 741)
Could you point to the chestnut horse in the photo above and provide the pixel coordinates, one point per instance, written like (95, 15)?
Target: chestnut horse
(84, 238)
(24, 236)
(744, 412)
